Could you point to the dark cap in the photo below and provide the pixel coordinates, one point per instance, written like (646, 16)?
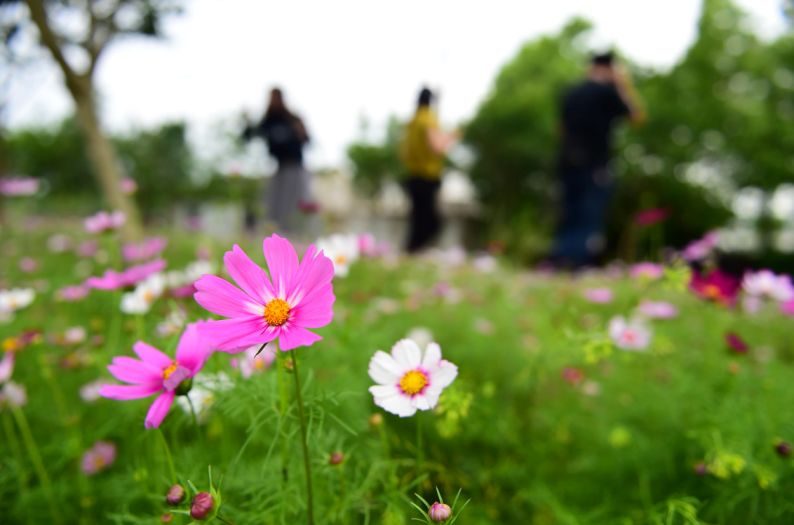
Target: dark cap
(425, 97)
(603, 59)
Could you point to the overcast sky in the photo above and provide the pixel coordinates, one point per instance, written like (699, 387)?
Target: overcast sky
(339, 60)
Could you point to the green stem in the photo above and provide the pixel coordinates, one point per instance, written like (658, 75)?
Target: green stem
(35, 458)
(283, 408)
(306, 459)
(168, 457)
(11, 439)
(420, 451)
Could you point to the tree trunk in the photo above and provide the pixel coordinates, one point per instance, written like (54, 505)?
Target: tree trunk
(103, 158)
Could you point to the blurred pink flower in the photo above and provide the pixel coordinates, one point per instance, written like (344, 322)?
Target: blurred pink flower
(647, 270)
(367, 245)
(716, 286)
(251, 363)
(104, 221)
(89, 392)
(112, 280)
(657, 310)
(72, 293)
(7, 366)
(128, 185)
(598, 295)
(629, 335)
(19, 186)
(572, 375)
(144, 250)
(765, 284)
(294, 297)
(98, 458)
(787, 307)
(736, 343)
(87, 248)
(651, 216)
(28, 264)
(156, 373)
(59, 243)
(701, 248)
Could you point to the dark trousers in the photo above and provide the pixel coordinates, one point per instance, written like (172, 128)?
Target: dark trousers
(425, 221)
(580, 233)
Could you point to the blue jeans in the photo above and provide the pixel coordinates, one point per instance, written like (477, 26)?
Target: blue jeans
(580, 234)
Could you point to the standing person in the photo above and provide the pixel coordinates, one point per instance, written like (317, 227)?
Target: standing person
(590, 111)
(285, 135)
(422, 152)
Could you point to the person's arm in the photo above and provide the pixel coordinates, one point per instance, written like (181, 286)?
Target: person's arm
(440, 141)
(629, 95)
(300, 129)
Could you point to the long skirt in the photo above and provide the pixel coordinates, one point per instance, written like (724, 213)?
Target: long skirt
(288, 191)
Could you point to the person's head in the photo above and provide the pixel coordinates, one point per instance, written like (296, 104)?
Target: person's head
(276, 103)
(425, 98)
(602, 67)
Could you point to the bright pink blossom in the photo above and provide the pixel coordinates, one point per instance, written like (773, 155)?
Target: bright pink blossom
(156, 373)
(112, 280)
(264, 308)
(144, 250)
(104, 221)
(787, 307)
(598, 295)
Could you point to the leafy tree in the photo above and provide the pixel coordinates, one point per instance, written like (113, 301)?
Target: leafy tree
(76, 34)
(374, 163)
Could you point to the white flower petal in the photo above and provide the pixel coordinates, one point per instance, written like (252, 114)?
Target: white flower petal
(407, 354)
(384, 369)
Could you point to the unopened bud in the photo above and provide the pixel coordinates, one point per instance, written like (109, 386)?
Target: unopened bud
(439, 512)
(701, 469)
(201, 506)
(336, 458)
(783, 449)
(176, 495)
(376, 420)
(167, 518)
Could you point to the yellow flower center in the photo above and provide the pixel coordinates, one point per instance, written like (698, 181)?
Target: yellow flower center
(340, 260)
(148, 296)
(11, 344)
(170, 370)
(276, 312)
(413, 382)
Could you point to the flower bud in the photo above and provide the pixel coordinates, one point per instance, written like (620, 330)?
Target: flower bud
(336, 458)
(439, 512)
(700, 468)
(201, 506)
(167, 518)
(376, 420)
(175, 495)
(783, 449)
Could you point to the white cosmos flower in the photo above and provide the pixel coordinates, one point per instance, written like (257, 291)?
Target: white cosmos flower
(203, 392)
(13, 394)
(140, 300)
(765, 283)
(15, 299)
(408, 381)
(629, 335)
(342, 249)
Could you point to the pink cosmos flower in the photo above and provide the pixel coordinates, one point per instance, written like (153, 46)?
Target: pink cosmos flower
(657, 310)
(87, 249)
(629, 335)
(787, 308)
(572, 375)
(598, 295)
(128, 185)
(28, 264)
(265, 308)
(407, 381)
(736, 343)
(156, 373)
(647, 270)
(130, 277)
(7, 366)
(765, 284)
(651, 216)
(715, 286)
(145, 250)
(701, 248)
(104, 221)
(72, 293)
(98, 458)
(19, 186)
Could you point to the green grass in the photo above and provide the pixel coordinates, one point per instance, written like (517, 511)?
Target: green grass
(522, 444)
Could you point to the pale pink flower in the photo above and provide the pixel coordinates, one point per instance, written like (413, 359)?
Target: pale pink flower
(144, 250)
(765, 284)
(251, 363)
(28, 264)
(19, 186)
(7, 366)
(156, 373)
(104, 221)
(98, 458)
(629, 335)
(598, 295)
(406, 380)
(72, 293)
(128, 185)
(112, 280)
(657, 310)
(701, 248)
(59, 243)
(89, 392)
(439, 512)
(13, 394)
(647, 270)
(280, 306)
(87, 249)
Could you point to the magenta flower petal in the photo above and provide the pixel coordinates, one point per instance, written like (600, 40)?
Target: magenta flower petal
(136, 373)
(282, 261)
(159, 409)
(295, 337)
(127, 392)
(316, 314)
(221, 297)
(151, 355)
(233, 335)
(248, 276)
(193, 350)
(313, 277)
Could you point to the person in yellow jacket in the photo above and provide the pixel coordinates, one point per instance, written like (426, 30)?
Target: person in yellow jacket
(422, 152)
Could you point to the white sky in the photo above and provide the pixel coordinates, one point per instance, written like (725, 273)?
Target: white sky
(339, 60)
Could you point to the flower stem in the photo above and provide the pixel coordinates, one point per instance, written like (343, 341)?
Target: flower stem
(420, 454)
(168, 457)
(35, 458)
(306, 459)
